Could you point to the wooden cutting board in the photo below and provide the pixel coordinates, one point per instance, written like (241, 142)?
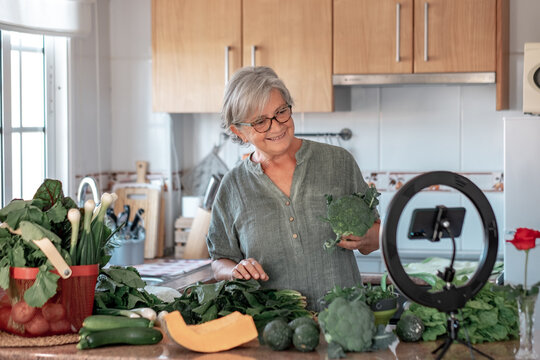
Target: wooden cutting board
(148, 197)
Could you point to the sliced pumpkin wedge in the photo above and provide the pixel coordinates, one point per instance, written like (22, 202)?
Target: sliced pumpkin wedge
(216, 335)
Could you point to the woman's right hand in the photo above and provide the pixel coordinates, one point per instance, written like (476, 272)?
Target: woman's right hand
(247, 269)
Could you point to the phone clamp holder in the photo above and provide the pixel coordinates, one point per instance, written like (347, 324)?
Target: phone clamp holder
(451, 298)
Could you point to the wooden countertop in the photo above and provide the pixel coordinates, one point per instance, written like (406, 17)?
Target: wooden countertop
(168, 350)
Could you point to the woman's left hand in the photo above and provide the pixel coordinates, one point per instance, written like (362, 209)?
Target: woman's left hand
(365, 244)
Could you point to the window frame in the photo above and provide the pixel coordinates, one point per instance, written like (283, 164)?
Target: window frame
(55, 102)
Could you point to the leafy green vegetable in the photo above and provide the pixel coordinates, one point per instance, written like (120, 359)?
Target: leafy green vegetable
(122, 288)
(491, 315)
(351, 214)
(43, 216)
(349, 324)
(203, 302)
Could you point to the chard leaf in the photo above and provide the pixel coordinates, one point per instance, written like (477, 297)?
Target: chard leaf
(50, 192)
(210, 314)
(43, 288)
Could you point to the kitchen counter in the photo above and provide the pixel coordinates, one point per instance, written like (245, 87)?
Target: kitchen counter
(252, 350)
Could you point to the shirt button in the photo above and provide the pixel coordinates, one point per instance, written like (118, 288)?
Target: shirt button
(287, 203)
(291, 219)
(294, 236)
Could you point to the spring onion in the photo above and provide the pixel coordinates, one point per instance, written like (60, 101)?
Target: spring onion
(74, 217)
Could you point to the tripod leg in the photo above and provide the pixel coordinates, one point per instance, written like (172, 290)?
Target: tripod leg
(475, 349)
(444, 347)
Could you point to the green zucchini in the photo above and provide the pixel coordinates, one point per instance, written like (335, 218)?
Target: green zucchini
(117, 312)
(106, 322)
(129, 336)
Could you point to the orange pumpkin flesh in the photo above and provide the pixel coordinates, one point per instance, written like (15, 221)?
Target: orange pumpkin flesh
(216, 335)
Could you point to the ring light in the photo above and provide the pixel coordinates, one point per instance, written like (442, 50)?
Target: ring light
(451, 298)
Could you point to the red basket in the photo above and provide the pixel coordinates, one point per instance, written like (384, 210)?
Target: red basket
(61, 314)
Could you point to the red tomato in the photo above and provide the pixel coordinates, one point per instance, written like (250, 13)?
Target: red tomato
(4, 299)
(5, 314)
(21, 312)
(61, 326)
(37, 326)
(53, 312)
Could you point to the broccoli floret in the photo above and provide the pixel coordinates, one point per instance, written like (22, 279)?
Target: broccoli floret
(349, 324)
(351, 214)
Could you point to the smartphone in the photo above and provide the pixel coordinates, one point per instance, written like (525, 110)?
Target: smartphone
(423, 222)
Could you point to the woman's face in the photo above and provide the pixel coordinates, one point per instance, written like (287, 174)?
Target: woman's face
(278, 138)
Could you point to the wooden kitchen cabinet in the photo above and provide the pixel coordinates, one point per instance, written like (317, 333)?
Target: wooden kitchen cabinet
(189, 56)
(189, 39)
(295, 39)
(461, 35)
(373, 36)
(407, 37)
(378, 36)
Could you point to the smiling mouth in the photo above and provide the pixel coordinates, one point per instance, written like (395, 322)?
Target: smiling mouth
(276, 138)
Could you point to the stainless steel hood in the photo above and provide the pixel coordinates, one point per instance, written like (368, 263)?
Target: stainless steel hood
(431, 78)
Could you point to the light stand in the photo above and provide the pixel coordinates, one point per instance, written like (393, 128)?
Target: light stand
(452, 325)
(451, 298)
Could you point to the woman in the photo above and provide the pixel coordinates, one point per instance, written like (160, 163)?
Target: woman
(266, 218)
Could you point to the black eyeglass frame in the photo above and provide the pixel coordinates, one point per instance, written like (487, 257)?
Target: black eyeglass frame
(269, 120)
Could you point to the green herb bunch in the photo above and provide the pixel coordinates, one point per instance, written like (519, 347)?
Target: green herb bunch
(351, 214)
(46, 216)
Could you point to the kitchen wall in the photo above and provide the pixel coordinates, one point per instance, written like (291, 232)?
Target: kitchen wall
(395, 129)
(408, 129)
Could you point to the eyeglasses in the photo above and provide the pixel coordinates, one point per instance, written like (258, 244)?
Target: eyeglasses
(263, 124)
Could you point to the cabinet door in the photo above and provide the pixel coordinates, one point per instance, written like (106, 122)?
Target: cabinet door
(294, 37)
(373, 36)
(461, 35)
(189, 38)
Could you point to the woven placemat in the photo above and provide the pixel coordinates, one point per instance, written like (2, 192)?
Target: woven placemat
(10, 340)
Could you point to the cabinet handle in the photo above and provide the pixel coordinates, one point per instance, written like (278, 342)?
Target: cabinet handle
(227, 48)
(253, 48)
(398, 9)
(426, 31)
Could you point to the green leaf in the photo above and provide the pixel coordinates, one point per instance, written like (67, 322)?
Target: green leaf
(43, 288)
(128, 276)
(50, 192)
(4, 277)
(57, 213)
(18, 258)
(32, 231)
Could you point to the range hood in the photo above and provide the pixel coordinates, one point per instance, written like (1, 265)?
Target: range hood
(424, 78)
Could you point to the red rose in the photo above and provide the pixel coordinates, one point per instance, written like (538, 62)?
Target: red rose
(525, 239)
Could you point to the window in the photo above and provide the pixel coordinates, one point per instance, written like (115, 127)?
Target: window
(28, 109)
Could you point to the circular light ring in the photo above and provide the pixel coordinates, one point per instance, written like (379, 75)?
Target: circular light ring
(449, 299)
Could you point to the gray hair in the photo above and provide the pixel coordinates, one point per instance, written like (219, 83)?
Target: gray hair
(248, 91)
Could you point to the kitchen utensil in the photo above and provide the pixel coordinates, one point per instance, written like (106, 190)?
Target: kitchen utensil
(136, 220)
(123, 217)
(112, 216)
(148, 197)
(196, 242)
(211, 190)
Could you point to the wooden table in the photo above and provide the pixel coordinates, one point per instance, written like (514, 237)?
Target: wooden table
(168, 350)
